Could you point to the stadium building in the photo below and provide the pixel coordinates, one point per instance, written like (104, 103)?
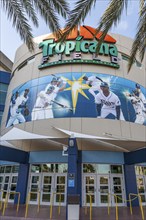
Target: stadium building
(74, 122)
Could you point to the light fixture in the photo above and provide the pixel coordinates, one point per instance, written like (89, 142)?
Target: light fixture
(71, 142)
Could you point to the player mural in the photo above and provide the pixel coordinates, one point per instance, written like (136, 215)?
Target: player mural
(78, 95)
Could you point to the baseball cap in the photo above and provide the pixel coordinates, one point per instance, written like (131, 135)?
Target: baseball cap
(54, 79)
(51, 88)
(85, 77)
(104, 84)
(137, 86)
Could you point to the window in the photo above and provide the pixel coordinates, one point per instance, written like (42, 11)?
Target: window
(28, 61)
(1, 114)
(126, 58)
(116, 169)
(89, 168)
(3, 87)
(2, 97)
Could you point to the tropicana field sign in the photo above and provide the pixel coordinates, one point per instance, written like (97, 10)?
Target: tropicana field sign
(75, 49)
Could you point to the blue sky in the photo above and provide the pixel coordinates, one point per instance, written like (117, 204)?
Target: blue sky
(10, 40)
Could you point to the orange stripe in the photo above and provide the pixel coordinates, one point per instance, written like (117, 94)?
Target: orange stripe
(86, 32)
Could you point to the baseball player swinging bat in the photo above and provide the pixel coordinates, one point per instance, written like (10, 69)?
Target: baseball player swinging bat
(63, 106)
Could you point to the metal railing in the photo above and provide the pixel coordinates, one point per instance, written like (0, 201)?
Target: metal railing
(137, 196)
(1, 198)
(51, 204)
(28, 200)
(90, 196)
(6, 201)
(116, 200)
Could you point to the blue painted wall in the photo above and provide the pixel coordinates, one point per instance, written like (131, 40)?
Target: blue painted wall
(47, 157)
(13, 155)
(105, 157)
(22, 182)
(130, 183)
(4, 77)
(135, 157)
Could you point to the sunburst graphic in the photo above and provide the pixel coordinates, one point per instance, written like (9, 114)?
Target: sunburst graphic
(76, 87)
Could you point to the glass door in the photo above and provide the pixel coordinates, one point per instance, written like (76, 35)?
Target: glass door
(60, 189)
(89, 189)
(117, 188)
(103, 185)
(47, 188)
(12, 187)
(141, 186)
(34, 188)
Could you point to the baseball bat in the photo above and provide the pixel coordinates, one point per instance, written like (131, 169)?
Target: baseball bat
(99, 78)
(63, 106)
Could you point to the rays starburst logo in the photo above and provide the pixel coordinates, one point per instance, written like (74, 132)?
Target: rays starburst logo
(76, 87)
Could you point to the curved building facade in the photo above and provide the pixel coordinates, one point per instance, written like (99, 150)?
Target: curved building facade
(80, 118)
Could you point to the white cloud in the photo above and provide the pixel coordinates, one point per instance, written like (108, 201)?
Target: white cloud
(122, 26)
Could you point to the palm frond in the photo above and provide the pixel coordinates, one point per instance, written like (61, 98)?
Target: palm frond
(29, 9)
(77, 15)
(61, 7)
(141, 5)
(111, 16)
(16, 13)
(140, 39)
(48, 14)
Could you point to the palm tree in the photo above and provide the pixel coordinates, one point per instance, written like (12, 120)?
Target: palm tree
(21, 11)
(111, 16)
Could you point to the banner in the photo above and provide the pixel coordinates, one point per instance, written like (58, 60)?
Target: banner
(77, 94)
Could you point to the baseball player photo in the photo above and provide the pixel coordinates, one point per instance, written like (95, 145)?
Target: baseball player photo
(43, 107)
(138, 102)
(94, 83)
(107, 103)
(18, 107)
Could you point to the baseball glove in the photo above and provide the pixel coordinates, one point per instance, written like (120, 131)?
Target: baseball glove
(26, 112)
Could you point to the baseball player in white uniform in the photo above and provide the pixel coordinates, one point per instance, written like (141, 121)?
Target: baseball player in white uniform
(16, 105)
(94, 82)
(107, 103)
(137, 99)
(43, 106)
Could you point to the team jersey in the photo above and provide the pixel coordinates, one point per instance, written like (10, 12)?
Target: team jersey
(44, 99)
(108, 103)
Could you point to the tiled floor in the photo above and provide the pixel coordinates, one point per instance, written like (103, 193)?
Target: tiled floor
(44, 214)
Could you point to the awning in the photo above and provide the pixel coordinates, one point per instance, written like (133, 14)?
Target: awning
(18, 134)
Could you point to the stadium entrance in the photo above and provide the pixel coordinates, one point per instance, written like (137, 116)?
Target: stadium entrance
(141, 182)
(51, 183)
(104, 179)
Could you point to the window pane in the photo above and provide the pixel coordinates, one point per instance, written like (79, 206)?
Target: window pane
(8, 169)
(48, 168)
(36, 168)
(3, 87)
(15, 169)
(3, 97)
(61, 168)
(89, 168)
(103, 168)
(116, 169)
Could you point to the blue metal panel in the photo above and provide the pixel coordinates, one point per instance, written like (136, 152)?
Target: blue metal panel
(130, 182)
(2, 108)
(13, 155)
(22, 182)
(4, 77)
(102, 157)
(7, 163)
(135, 157)
(47, 157)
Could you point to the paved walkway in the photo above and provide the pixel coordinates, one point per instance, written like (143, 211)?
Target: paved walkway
(44, 214)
